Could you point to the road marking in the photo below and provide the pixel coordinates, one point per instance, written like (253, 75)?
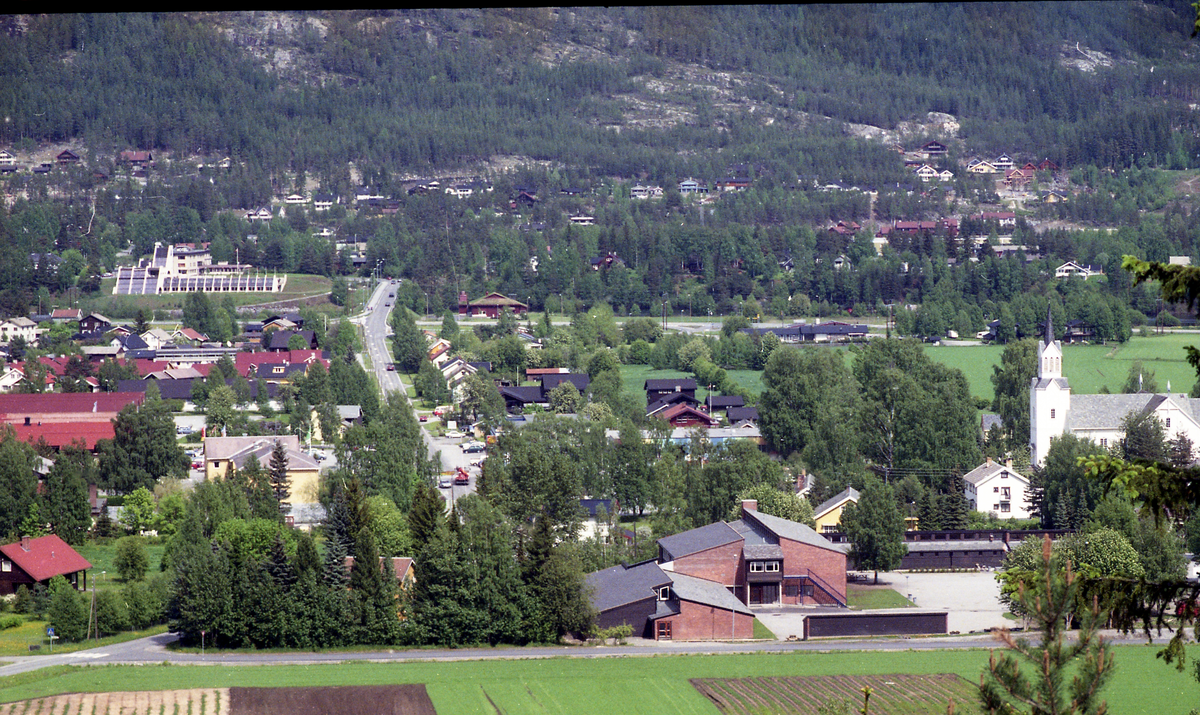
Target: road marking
(85, 655)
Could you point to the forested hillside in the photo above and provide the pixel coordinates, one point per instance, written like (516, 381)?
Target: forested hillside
(804, 105)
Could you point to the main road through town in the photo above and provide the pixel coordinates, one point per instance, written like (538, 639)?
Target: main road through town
(155, 649)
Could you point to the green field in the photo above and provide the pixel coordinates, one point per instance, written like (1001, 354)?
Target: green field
(1088, 367)
(101, 555)
(599, 686)
(633, 378)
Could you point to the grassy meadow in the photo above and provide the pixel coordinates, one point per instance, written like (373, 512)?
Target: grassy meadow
(600, 686)
(1088, 367)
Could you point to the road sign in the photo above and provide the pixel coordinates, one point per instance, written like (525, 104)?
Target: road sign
(50, 631)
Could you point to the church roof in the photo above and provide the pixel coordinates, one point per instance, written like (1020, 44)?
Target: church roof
(1105, 412)
(1044, 382)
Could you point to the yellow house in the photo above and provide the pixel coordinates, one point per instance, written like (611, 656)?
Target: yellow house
(303, 470)
(828, 516)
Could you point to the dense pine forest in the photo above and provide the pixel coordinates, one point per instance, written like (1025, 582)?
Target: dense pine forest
(575, 106)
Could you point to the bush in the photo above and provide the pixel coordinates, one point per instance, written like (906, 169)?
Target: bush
(7, 622)
(146, 602)
(68, 615)
(131, 561)
(112, 615)
(23, 603)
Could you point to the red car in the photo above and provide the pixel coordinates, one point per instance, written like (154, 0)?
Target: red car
(424, 418)
(391, 367)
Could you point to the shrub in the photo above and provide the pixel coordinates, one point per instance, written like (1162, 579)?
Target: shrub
(10, 621)
(131, 561)
(67, 613)
(112, 615)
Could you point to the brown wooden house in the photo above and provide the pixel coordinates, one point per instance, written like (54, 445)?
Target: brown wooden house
(32, 561)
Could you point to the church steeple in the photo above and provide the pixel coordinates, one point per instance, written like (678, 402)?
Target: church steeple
(1049, 352)
(1049, 326)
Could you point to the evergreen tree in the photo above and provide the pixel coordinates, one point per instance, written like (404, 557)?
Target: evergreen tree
(68, 615)
(278, 476)
(64, 499)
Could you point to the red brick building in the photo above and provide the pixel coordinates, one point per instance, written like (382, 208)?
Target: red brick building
(705, 580)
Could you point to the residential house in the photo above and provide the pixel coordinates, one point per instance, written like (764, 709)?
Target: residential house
(94, 322)
(490, 305)
(684, 415)
(732, 184)
(1003, 162)
(402, 569)
(220, 453)
(66, 156)
(66, 315)
(1078, 270)
(931, 149)
(645, 192)
(828, 515)
(29, 562)
(661, 387)
(691, 186)
(978, 166)
(997, 488)
(64, 407)
(20, 327)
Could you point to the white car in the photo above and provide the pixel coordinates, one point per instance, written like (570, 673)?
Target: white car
(444, 483)
(454, 434)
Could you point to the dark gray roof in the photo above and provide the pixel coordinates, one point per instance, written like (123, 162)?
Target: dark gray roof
(1045, 382)
(620, 585)
(524, 395)
(737, 414)
(708, 593)
(720, 402)
(989, 420)
(683, 383)
(697, 540)
(762, 551)
(791, 530)
(579, 380)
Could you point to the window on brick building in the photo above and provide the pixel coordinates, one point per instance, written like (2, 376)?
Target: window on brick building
(664, 593)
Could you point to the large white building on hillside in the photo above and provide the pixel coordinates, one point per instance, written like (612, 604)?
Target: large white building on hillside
(1054, 411)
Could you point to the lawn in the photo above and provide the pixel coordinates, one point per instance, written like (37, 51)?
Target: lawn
(17, 641)
(102, 573)
(599, 686)
(869, 597)
(1088, 367)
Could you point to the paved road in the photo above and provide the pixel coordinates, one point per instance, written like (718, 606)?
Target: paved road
(154, 650)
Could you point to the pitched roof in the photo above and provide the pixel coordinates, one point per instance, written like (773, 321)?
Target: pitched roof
(621, 585)
(791, 530)
(227, 447)
(987, 470)
(696, 540)
(45, 557)
(661, 384)
(709, 593)
(62, 434)
(847, 494)
(737, 414)
(14, 406)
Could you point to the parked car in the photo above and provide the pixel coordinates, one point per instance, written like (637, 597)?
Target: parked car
(391, 367)
(423, 418)
(461, 477)
(470, 447)
(444, 483)
(197, 465)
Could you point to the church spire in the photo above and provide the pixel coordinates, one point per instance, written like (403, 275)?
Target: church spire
(1049, 326)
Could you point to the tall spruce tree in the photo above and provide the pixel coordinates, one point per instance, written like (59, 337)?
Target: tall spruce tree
(875, 528)
(278, 475)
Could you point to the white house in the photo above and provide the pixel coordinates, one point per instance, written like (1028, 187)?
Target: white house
(21, 327)
(997, 488)
(1054, 411)
(1071, 268)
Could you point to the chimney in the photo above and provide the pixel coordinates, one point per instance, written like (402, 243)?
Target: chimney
(749, 505)
(1008, 462)
(27, 421)
(989, 461)
(24, 543)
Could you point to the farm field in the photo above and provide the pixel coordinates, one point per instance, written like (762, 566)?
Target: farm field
(894, 693)
(600, 686)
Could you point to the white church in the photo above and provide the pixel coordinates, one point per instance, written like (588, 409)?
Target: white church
(1054, 411)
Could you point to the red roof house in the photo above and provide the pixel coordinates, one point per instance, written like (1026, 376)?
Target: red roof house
(61, 434)
(32, 561)
(73, 407)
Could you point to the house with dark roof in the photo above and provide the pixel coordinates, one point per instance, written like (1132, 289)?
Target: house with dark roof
(657, 389)
(32, 561)
(517, 398)
(490, 305)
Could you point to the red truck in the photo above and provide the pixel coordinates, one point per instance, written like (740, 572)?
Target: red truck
(461, 477)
